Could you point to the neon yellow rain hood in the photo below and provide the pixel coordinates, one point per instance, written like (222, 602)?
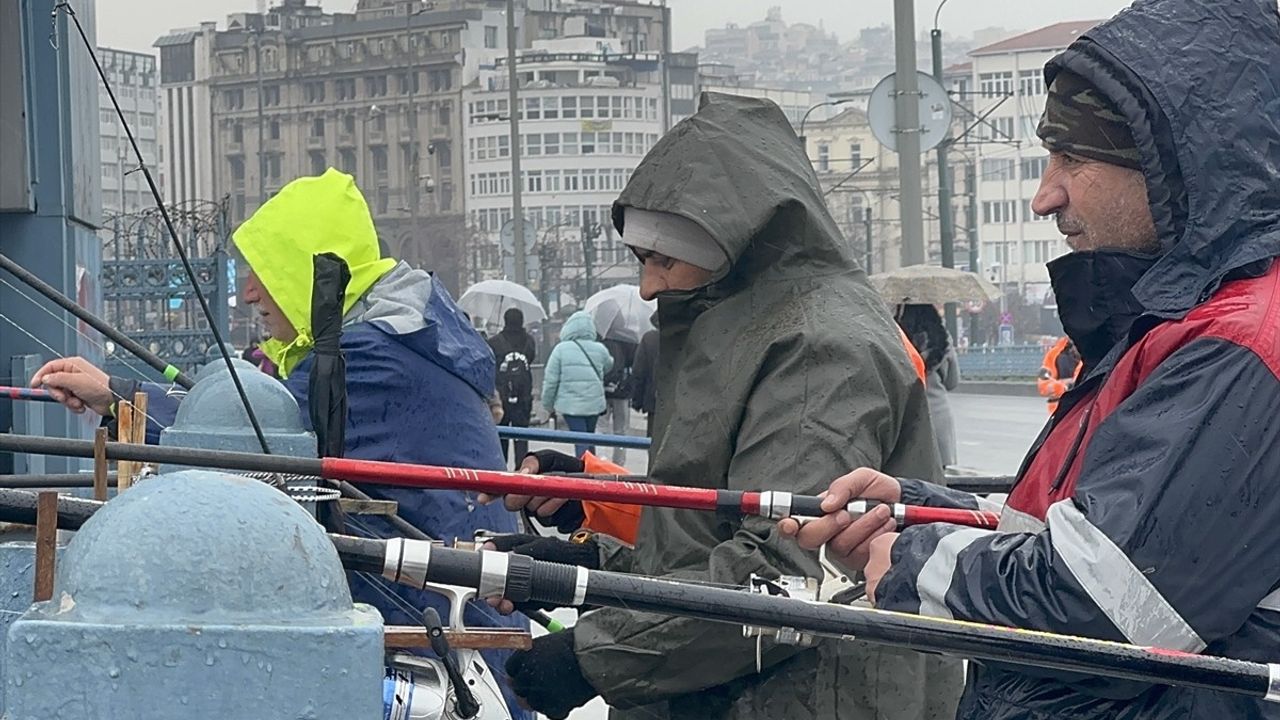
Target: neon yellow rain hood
(309, 216)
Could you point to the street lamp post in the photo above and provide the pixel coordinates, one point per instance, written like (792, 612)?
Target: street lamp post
(829, 103)
(517, 181)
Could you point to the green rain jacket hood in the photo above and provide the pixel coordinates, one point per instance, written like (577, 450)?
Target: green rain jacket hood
(309, 216)
(782, 375)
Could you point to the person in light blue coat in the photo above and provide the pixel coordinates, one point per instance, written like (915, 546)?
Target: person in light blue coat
(574, 381)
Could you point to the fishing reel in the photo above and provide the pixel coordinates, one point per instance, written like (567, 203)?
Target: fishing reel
(454, 685)
(789, 586)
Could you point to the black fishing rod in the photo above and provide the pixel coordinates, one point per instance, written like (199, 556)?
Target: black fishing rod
(66, 8)
(522, 579)
(28, 278)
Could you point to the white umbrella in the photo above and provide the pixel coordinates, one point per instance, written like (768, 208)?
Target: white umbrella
(487, 300)
(620, 313)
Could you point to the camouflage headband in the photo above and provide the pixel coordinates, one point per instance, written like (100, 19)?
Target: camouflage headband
(1080, 120)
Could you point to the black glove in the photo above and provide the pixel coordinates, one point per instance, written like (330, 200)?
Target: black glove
(551, 462)
(585, 553)
(567, 519)
(547, 676)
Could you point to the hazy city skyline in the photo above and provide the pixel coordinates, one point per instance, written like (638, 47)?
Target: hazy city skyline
(135, 24)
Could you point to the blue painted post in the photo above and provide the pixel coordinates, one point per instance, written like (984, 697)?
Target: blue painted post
(197, 595)
(59, 160)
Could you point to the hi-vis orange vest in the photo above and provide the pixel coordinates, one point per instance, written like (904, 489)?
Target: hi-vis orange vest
(622, 521)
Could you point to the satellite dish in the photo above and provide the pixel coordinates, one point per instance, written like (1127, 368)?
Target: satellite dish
(935, 112)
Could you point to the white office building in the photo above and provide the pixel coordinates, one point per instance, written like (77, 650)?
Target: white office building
(134, 80)
(1008, 77)
(588, 114)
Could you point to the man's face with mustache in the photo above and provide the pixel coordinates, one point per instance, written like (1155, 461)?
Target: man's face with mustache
(1097, 205)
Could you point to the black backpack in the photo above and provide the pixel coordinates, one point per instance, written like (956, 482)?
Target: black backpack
(515, 380)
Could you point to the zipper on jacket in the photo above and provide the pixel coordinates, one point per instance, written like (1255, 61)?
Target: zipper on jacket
(1075, 448)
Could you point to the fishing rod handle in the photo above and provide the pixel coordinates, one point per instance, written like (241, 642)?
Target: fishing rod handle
(777, 505)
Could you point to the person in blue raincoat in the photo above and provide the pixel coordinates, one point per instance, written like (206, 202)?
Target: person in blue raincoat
(573, 384)
(417, 373)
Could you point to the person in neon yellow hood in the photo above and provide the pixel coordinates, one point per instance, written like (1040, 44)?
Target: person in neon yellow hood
(309, 216)
(417, 372)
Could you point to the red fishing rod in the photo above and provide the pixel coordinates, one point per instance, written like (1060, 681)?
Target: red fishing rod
(774, 505)
(21, 393)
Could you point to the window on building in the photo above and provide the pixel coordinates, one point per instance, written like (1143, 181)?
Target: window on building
(347, 161)
(491, 36)
(587, 107)
(237, 132)
(551, 143)
(379, 122)
(533, 144)
(233, 99)
(444, 196)
(271, 95)
(1029, 215)
(533, 181)
(379, 156)
(440, 80)
(588, 143)
(275, 130)
(998, 252)
(382, 199)
(313, 92)
(855, 156)
(551, 108)
(998, 169)
(375, 86)
(318, 162)
(1030, 83)
(998, 129)
(345, 88)
(533, 108)
(273, 166)
(444, 156)
(569, 107)
(681, 91)
(995, 84)
(408, 83)
(999, 212)
(824, 157)
(602, 106)
(108, 171)
(317, 128)
(236, 165)
(348, 124)
(568, 143)
(444, 114)
(615, 104)
(651, 109)
(1033, 168)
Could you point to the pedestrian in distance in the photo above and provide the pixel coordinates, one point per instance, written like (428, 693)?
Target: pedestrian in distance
(573, 383)
(515, 352)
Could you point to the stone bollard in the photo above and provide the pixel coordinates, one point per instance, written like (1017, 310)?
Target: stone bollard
(203, 596)
(212, 415)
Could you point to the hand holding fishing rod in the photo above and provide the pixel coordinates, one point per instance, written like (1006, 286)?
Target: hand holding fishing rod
(768, 504)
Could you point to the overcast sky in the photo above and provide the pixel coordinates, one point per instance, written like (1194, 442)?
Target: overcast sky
(135, 24)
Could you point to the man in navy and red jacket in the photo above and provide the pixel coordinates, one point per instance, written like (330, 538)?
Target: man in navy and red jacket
(1148, 511)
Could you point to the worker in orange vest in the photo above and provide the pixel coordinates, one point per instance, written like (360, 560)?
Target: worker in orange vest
(1060, 368)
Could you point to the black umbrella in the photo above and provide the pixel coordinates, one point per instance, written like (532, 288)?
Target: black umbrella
(327, 385)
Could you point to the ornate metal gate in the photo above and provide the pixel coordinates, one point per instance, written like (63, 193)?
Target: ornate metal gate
(145, 289)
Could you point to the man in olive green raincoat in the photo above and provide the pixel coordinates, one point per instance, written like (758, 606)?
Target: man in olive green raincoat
(782, 372)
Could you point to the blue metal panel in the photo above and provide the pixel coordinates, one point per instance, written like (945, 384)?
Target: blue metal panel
(51, 242)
